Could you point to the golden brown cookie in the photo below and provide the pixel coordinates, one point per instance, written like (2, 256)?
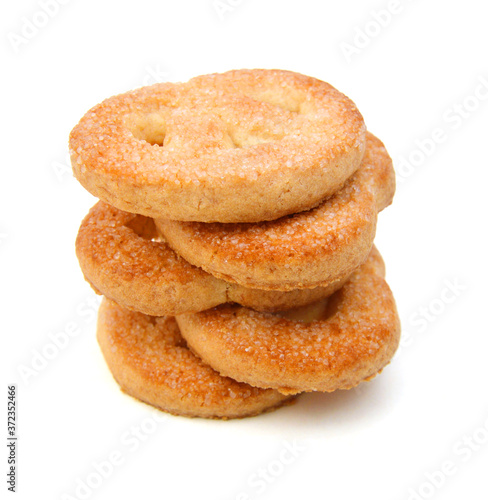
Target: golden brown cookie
(354, 337)
(242, 146)
(122, 257)
(305, 250)
(150, 361)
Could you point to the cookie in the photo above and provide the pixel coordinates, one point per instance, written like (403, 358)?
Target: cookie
(123, 258)
(151, 362)
(348, 338)
(242, 146)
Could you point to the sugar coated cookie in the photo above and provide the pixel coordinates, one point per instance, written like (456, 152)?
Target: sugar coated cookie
(349, 339)
(242, 146)
(150, 361)
(123, 258)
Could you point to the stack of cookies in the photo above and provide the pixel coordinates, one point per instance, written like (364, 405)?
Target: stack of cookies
(234, 241)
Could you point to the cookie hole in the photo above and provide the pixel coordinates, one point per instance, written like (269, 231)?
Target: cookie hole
(318, 311)
(242, 139)
(260, 132)
(172, 335)
(150, 127)
(179, 341)
(144, 227)
(229, 141)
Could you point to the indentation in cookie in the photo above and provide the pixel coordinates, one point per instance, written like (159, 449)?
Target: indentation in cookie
(144, 227)
(148, 127)
(318, 311)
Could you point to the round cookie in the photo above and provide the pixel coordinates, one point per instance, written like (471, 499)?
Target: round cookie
(242, 146)
(123, 258)
(150, 361)
(350, 338)
(304, 250)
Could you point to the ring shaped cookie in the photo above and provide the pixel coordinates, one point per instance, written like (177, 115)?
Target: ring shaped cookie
(353, 339)
(305, 250)
(150, 361)
(242, 146)
(122, 258)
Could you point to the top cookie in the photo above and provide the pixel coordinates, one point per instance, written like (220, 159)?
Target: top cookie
(242, 146)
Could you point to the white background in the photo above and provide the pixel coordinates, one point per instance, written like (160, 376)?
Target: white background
(386, 440)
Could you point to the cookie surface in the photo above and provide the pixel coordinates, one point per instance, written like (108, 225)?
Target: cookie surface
(150, 361)
(354, 337)
(305, 250)
(122, 258)
(241, 146)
